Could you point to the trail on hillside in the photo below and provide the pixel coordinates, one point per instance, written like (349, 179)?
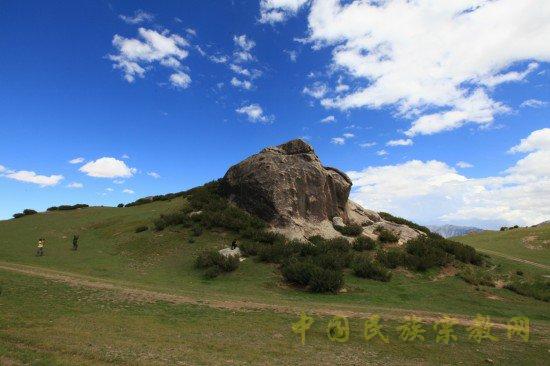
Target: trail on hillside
(516, 259)
(136, 294)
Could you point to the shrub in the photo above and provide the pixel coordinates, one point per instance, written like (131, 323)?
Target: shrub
(340, 245)
(196, 230)
(191, 240)
(476, 276)
(538, 289)
(274, 253)
(399, 220)
(427, 255)
(28, 211)
(386, 236)
(18, 215)
(212, 258)
(248, 248)
(72, 207)
(326, 280)
(171, 219)
(299, 273)
(140, 229)
(53, 208)
(350, 230)
(391, 258)
(120, 205)
(362, 243)
(333, 260)
(365, 268)
(212, 272)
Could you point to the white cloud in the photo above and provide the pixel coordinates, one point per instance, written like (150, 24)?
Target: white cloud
(464, 165)
(180, 80)
(107, 167)
(317, 90)
(348, 135)
(191, 31)
(2, 168)
(119, 181)
(328, 119)
(218, 59)
(382, 152)
(139, 16)
(31, 177)
(128, 191)
(274, 11)
(255, 113)
(533, 103)
(239, 70)
(243, 47)
(293, 55)
(338, 140)
(125, 156)
(432, 191)
(75, 185)
(245, 84)
(436, 62)
(154, 175)
(367, 144)
(400, 142)
(537, 141)
(136, 54)
(76, 161)
(109, 189)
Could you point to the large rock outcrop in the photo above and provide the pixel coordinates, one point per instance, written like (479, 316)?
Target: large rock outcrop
(289, 188)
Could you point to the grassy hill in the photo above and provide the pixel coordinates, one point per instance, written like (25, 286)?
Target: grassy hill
(530, 244)
(136, 298)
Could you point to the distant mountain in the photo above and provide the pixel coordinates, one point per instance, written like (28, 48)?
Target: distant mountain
(448, 231)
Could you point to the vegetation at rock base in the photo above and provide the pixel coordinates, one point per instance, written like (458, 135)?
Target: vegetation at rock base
(349, 230)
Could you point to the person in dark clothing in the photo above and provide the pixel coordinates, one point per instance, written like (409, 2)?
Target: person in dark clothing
(75, 242)
(234, 244)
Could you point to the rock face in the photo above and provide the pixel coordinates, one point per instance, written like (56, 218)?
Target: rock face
(288, 187)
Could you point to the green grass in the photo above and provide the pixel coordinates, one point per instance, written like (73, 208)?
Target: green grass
(532, 244)
(109, 249)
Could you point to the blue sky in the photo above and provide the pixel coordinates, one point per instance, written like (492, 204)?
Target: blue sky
(438, 114)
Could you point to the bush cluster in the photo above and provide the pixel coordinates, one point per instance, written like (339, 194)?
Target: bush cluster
(364, 267)
(423, 254)
(349, 230)
(67, 207)
(537, 289)
(477, 276)
(399, 220)
(391, 258)
(140, 229)
(164, 197)
(26, 212)
(362, 243)
(214, 263)
(385, 236)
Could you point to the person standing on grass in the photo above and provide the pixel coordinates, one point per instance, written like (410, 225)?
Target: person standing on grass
(40, 248)
(75, 242)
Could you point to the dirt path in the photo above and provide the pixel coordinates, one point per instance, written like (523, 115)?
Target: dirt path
(136, 294)
(516, 259)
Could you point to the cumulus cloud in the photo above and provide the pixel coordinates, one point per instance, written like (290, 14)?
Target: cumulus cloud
(382, 152)
(244, 84)
(533, 103)
(400, 142)
(75, 185)
(317, 90)
(139, 16)
(432, 191)
(31, 177)
(76, 161)
(274, 11)
(2, 168)
(464, 165)
(180, 80)
(128, 191)
(293, 55)
(154, 175)
(255, 113)
(367, 144)
(136, 55)
(328, 119)
(107, 167)
(348, 135)
(436, 63)
(218, 59)
(338, 140)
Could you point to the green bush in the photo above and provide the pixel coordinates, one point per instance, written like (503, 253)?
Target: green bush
(333, 260)
(171, 219)
(299, 273)
(249, 248)
(537, 289)
(362, 243)
(72, 207)
(363, 267)
(476, 276)
(423, 254)
(196, 230)
(18, 215)
(212, 272)
(349, 230)
(229, 263)
(399, 220)
(29, 211)
(391, 258)
(326, 280)
(274, 253)
(462, 252)
(212, 258)
(120, 205)
(385, 236)
(53, 208)
(140, 229)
